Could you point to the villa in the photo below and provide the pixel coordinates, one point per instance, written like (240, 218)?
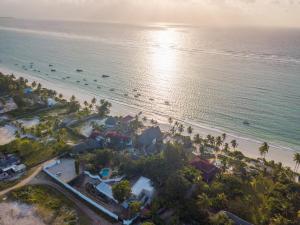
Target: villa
(208, 170)
(110, 122)
(10, 167)
(149, 138)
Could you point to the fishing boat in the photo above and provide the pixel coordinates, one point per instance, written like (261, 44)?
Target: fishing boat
(246, 122)
(79, 70)
(105, 76)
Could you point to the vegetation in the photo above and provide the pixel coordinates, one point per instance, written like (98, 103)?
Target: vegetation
(122, 191)
(52, 207)
(34, 152)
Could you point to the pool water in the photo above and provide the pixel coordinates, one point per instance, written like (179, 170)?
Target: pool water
(105, 172)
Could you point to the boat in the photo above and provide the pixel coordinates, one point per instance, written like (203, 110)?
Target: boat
(79, 70)
(86, 84)
(136, 96)
(78, 81)
(84, 79)
(105, 76)
(50, 65)
(134, 90)
(68, 77)
(53, 70)
(112, 89)
(167, 103)
(98, 87)
(151, 99)
(246, 122)
(126, 95)
(95, 80)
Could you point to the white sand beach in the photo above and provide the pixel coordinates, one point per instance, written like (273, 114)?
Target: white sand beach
(246, 145)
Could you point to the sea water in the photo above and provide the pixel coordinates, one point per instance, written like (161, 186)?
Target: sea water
(213, 77)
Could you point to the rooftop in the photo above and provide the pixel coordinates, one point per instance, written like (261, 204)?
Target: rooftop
(142, 184)
(106, 190)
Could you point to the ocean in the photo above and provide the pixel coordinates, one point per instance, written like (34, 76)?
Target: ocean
(211, 77)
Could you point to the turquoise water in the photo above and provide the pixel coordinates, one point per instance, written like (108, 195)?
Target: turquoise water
(104, 172)
(213, 77)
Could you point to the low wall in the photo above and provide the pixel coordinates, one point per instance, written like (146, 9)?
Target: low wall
(70, 188)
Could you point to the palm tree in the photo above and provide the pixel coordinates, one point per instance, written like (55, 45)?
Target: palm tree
(86, 104)
(190, 130)
(234, 144)
(94, 100)
(170, 120)
(197, 139)
(180, 128)
(72, 99)
(33, 85)
(223, 137)
(297, 161)
(226, 147)
(264, 149)
(219, 141)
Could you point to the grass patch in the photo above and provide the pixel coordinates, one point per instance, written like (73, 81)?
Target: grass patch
(51, 206)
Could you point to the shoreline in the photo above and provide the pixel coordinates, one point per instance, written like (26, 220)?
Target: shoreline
(247, 146)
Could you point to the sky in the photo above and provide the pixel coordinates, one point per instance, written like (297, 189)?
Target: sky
(195, 12)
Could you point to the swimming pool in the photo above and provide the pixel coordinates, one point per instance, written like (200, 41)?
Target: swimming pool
(105, 172)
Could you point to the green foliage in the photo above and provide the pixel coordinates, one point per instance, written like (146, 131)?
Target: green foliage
(104, 108)
(221, 219)
(33, 152)
(121, 191)
(46, 200)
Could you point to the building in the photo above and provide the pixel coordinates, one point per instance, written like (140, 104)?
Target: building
(51, 102)
(116, 140)
(143, 190)
(106, 190)
(110, 122)
(149, 138)
(127, 119)
(10, 166)
(208, 170)
(89, 144)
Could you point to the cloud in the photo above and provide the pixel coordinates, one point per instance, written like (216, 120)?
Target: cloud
(200, 12)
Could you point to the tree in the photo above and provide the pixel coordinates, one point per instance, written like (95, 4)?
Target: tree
(94, 100)
(148, 223)
(135, 207)
(197, 139)
(219, 141)
(203, 202)
(221, 219)
(226, 147)
(121, 191)
(180, 128)
(33, 85)
(223, 137)
(60, 96)
(297, 161)
(170, 120)
(234, 144)
(264, 149)
(104, 108)
(190, 130)
(85, 103)
(73, 98)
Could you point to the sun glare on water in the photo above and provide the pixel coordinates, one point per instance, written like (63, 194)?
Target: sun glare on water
(163, 60)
